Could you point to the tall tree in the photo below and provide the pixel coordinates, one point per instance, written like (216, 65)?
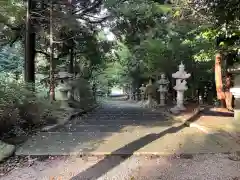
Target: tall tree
(30, 40)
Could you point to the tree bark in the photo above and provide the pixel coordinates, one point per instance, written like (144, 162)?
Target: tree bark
(52, 79)
(229, 83)
(218, 79)
(30, 37)
(71, 61)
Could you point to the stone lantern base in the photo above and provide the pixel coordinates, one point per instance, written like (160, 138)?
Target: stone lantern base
(150, 103)
(236, 93)
(162, 98)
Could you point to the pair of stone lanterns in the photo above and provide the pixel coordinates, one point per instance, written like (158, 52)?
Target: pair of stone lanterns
(181, 86)
(150, 89)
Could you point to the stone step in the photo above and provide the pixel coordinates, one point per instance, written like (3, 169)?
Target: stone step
(102, 128)
(121, 123)
(61, 143)
(120, 120)
(146, 141)
(122, 117)
(89, 128)
(124, 113)
(139, 119)
(110, 113)
(74, 143)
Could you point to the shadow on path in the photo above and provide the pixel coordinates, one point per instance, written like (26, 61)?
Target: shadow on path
(125, 152)
(209, 112)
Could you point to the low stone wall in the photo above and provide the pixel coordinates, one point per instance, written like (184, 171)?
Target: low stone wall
(6, 150)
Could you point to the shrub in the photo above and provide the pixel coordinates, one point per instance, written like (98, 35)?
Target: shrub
(21, 107)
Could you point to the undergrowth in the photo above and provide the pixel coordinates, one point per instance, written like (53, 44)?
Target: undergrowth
(22, 109)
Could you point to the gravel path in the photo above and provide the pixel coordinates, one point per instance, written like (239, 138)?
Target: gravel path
(112, 116)
(116, 114)
(87, 132)
(198, 167)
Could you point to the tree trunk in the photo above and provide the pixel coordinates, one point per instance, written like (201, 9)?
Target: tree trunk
(218, 79)
(229, 82)
(52, 81)
(30, 37)
(71, 61)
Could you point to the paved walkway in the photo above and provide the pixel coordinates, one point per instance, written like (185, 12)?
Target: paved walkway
(120, 127)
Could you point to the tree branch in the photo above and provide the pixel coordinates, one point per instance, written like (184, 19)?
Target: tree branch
(94, 5)
(18, 36)
(15, 28)
(62, 55)
(41, 52)
(48, 55)
(96, 21)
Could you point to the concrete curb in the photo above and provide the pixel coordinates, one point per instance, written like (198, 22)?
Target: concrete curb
(217, 133)
(189, 120)
(69, 118)
(201, 128)
(191, 123)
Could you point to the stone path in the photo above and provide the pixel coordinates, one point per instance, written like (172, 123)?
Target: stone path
(120, 127)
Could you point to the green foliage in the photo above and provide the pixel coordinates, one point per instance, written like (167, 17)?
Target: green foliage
(157, 40)
(71, 29)
(11, 60)
(11, 16)
(20, 108)
(220, 18)
(152, 37)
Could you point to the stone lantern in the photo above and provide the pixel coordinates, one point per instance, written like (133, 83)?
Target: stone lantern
(181, 86)
(163, 89)
(63, 89)
(142, 91)
(235, 90)
(150, 92)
